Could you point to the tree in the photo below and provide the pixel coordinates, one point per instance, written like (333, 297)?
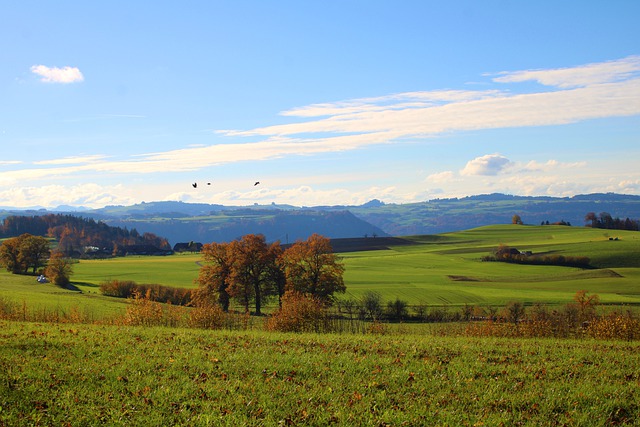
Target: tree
(311, 268)
(397, 310)
(35, 251)
(251, 276)
(372, 305)
(516, 220)
(19, 254)
(213, 276)
(514, 311)
(586, 303)
(58, 269)
(592, 218)
(10, 255)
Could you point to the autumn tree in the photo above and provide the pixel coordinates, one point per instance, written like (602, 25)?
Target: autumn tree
(59, 269)
(10, 255)
(311, 268)
(516, 220)
(586, 304)
(213, 276)
(35, 251)
(19, 254)
(251, 277)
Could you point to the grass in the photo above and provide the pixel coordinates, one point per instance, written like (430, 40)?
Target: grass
(447, 270)
(437, 270)
(85, 375)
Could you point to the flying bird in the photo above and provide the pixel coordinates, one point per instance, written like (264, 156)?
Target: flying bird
(257, 182)
(195, 185)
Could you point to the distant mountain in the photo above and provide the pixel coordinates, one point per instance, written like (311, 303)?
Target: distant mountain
(184, 222)
(443, 215)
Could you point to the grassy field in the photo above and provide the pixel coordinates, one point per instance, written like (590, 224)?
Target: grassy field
(85, 375)
(446, 268)
(438, 270)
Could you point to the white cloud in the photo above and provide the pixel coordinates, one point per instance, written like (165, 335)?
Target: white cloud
(401, 116)
(534, 166)
(489, 164)
(51, 196)
(608, 89)
(71, 160)
(584, 75)
(58, 75)
(441, 177)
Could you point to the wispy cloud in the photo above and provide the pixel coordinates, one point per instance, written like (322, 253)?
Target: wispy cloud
(593, 91)
(71, 160)
(441, 177)
(58, 75)
(608, 89)
(585, 75)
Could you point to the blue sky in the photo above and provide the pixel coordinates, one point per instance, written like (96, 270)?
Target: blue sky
(323, 102)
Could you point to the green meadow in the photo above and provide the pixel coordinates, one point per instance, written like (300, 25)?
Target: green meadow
(434, 270)
(100, 373)
(87, 375)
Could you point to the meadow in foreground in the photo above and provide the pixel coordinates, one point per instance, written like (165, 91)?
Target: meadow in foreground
(68, 374)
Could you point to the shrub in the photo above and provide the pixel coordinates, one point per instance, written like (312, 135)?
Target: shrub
(118, 288)
(143, 311)
(299, 313)
(159, 293)
(614, 326)
(207, 316)
(397, 310)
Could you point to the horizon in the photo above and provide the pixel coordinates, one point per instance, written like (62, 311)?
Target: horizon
(80, 209)
(322, 104)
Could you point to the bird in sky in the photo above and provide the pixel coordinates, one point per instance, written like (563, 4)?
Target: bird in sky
(195, 185)
(257, 182)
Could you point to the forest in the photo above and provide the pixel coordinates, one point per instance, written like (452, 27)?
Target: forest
(79, 237)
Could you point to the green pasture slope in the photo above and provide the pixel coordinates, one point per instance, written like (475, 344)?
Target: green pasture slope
(442, 270)
(446, 269)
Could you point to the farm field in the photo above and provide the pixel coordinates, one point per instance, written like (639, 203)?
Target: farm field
(81, 375)
(435, 270)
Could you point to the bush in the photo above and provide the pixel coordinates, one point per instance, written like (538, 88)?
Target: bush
(143, 311)
(118, 288)
(615, 326)
(299, 313)
(159, 293)
(207, 316)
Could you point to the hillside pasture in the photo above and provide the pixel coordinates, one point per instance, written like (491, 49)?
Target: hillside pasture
(437, 270)
(447, 269)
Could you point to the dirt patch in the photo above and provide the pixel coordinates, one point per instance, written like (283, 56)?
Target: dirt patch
(464, 279)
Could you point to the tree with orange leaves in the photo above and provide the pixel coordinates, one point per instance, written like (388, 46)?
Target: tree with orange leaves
(251, 278)
(213, 276)
(311, 268)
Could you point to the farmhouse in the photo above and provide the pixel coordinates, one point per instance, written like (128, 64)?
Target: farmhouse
(187, 247)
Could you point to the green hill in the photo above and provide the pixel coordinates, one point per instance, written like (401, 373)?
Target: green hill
(436, 270)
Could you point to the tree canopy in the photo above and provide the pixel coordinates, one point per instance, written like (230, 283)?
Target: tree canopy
(251, 271)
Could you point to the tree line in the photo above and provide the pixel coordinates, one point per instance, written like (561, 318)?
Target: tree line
(78, 237)
(505, 253)
(606, 221)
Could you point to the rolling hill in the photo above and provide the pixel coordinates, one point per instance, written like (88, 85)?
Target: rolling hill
(179, 221)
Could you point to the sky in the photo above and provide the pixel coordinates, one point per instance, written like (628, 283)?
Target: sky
(332, 102)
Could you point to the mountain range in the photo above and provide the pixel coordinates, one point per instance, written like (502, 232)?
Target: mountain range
(184, 222)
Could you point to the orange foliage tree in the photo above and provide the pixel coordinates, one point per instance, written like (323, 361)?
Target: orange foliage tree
(251, 277)
(311, 268)
(213, 276)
